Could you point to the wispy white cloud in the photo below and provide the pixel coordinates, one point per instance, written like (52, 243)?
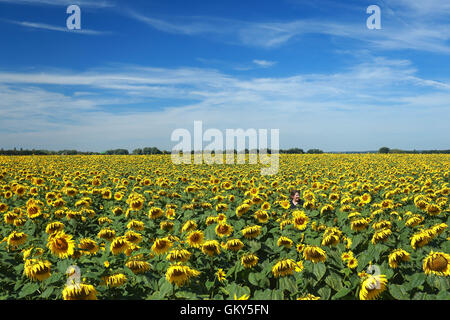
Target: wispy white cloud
(381, 99)
(264, 63)
(44, 26)
(403, 28)
(83, 3)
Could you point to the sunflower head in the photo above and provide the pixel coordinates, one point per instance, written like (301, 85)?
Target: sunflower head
(79, 292)
(437, 263)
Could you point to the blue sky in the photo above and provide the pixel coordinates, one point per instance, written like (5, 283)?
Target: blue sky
(137, 70)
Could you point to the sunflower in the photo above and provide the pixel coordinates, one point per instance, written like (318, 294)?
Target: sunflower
(178, 255)
(300, 247)
(88, 246)
(372, 286)
(249, 260)
(61, 244)
(309, 296)
(352, 263)
(381, 224)
(195, 238)
(285, 204)
(170, 213)
(210, 220)
(439, 228)
(387, 204)
(234, 245)
(420, 239)
(242, 209)
(330, 240)
(136, 225)
(119, 245)
(414, 221)
(397, 256)
(138, 266)
(347, 256)
(34, 211)
(285, 242)
(115, 280)
(328, 208)
(79, 292)
(155, 213)
(381, 235)
(243, 297)
(284, 267)
(251, 232)
(20, 190)
(107, 234)
(262, 216)
(188, 226)
(161, 246)
(180, 274)
(366, 198)
(3, 207)
(136, 204)
(37, 269)
(359, 224)
(103, 220)
(223, 229)
(265, 206)
(10, 217)
(256, 199)
(221, 207)
(16, 238)
(221, 275)
(314, 254)
(211, 247)
(284, 223)
(433, 210)
(133, 237)
(32, 251)
(118, 196)
(437, 263)
(166, 225)
(300, 219)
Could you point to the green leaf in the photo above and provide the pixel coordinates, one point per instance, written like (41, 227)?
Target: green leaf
(277, 295)
(234, 289)
(263, 295)
(356, 240)
(28, 289)
(319, 270)
(334, 281)
(416, 280)
(47, 293)
(289, 284)
(185, 295)
(324, 293)
(252, 279)
(209, 284)
(398, 292)
(441, 283)
(341, 293)
(165, 289)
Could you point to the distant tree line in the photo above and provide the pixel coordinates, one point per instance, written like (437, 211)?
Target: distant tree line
(154, 150)
(388, 150)
(27, 152)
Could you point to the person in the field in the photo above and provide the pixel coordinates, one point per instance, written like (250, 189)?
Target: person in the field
(296, 202)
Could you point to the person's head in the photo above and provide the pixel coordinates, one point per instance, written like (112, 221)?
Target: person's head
(295, 195)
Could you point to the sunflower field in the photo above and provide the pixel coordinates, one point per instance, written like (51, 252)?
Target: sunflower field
(372, 226)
